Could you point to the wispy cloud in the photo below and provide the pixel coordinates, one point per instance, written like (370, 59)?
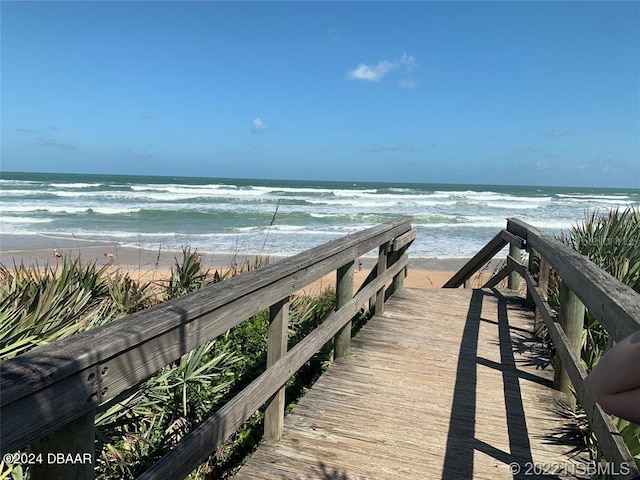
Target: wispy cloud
(52, 142)
(408, 61)
(398, 147)
(541, 166)
(554, 133)
(28, 131)
(409, 84)
(144, 116)
(333, 33)
(258, 126)
(527, 150)
(375, 73)
(137, 155)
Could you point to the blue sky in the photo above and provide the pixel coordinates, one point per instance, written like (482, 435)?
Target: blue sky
(540, 93)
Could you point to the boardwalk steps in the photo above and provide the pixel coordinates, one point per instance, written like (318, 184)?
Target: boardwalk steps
(444, 384)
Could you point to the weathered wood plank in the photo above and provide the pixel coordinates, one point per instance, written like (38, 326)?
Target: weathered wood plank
(344, 293)
(404, 240)
(478, 261)
(515, 253)
(497, 278)
(203, 441)
(514, 240)
(426, 385)
(383, 253)
(276, 349)
(131, 349)
(571, 317)
(77, 437)
(613, 303)
(609, 439)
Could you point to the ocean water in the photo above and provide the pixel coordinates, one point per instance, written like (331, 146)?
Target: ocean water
(278, 217)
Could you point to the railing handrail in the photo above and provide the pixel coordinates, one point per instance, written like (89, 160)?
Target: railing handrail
(615, 305)
(197, 446)
(52, 385)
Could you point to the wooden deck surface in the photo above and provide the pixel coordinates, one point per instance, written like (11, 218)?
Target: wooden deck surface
(447, 383)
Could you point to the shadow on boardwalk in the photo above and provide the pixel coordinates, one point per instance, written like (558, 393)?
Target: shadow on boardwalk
(461, 439)
(444, 384)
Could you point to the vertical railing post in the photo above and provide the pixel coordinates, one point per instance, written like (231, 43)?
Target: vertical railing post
(543, 286)
(398, 279)
(543, 277)
(344, 293)
(514, 277)
(276, 348)
(75, 440)
(571, 317)
(533, 265)
(383, 253)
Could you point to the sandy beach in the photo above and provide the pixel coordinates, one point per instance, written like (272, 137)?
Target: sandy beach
(156, 266)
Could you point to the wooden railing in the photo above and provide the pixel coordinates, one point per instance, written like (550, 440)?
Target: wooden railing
(49, 396)
(583, 285)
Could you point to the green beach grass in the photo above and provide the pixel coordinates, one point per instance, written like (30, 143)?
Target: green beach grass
(42, 305)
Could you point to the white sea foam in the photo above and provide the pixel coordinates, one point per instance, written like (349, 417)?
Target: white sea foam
(15, 192)
(216, 216)
(75, 185)
(69, 209)
(22, 220)
(584, 196)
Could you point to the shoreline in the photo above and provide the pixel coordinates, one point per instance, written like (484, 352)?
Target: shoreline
(155, 266)
(39, 249)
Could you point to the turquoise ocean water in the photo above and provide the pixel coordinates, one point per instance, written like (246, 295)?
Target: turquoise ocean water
(274, 217)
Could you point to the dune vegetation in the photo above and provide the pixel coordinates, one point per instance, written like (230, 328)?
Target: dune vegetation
(612, 241)
(43, 305)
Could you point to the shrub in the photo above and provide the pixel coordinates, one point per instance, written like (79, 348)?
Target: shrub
(611, 241)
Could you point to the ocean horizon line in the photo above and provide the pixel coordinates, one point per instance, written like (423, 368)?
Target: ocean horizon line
(325, 181)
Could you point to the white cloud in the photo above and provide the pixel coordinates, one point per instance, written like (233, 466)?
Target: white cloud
(554, 133)
(258, 126)
(371, 74)
(375, 73)
(398, 147)
(408, 61)
(52, 142)
(527, 150)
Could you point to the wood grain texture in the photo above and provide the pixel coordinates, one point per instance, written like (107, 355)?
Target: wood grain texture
(444, 384)
(198, 445)
(610, 441)
(613, 303)
(48, 387)
(404, 240)
(344, 293)
(513, 282)
(276, 349)
(478, 261)
(514, 240)
(571, 317)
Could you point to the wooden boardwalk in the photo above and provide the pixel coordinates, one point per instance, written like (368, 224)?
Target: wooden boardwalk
(447, 383)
